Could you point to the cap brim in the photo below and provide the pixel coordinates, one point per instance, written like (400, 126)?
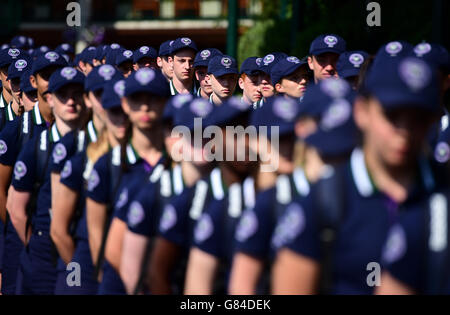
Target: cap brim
(224, 72)
(326, 50)
(334, 143)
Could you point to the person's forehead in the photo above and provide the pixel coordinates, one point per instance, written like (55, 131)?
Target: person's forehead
(184, 54)
(327, 55)
(201, 69)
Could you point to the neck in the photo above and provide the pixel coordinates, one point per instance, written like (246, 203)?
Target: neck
(230, 176)
(393, 181)
(64, 127)
(149, 144)
(217, 100)
(313, 164)
(7, 96)
(98, 123)
(247, 100)
(182, 87)
(15, 107)
(191, 174)
(113, 142)
(204, 94)
(45, 110)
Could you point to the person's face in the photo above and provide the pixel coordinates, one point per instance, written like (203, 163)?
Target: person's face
(28, 100)
(88, 68)
(97, 62)
(294, 85)
(396, 136)
(67, 103)
(166, 66)
(146, 62)
(323, 66)
(40, 80)
(126, 68)
(250, 85)
(144, 110)
(183, 64)
(117, 123)
(243, 150)
(95, 101)
(14, 85)
(3, 77)
(267, 89)
(203, 79)
(224, 85)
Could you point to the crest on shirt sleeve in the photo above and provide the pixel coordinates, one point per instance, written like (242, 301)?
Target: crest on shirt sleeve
(136, 214)
(3, 147)
(20, 170)
(67, 170)
(93, 180)
(290, 225)
(247, 227)
(395, 247)
(123, 198)
(59, 153)
(168, 219)
(204, 228)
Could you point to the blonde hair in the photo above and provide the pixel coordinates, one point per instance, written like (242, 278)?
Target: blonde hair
(97, 149)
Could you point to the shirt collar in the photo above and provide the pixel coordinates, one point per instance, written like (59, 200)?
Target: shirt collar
(37, 117)
(92, 132)
(173, 90)
(2, 101)
(55, 136)
(9, 110)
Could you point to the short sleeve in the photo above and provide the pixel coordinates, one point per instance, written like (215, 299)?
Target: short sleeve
(298, 229)
(255, 227)
(9, 146)
(62, 151)
(72, 172)
(24, 175)
(140, 214)
(208, 232)
(98, 185)
(175, 220)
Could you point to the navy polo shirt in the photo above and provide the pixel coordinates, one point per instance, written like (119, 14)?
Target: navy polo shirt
(367, 218)
(26, 174)
(29, 124)
(256, 226)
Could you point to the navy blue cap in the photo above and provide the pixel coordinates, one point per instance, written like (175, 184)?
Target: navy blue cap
(165, 48)
(392, 50)
(251, 66)
(270, 60)
(327, 43)
(112, 54)
(113, 92)
(123, 55)
(40, 51)
(5, 46)
(147, 80)
(9, 55)
(284, 68)
(277, 111)
(25, 84)
(20, 42)
(182, 43)
(18, 67)
(228, 112)
(204, 56)
(197, 108)
(433, 53)
(64, 49)
(221, 65)
(144, 51)
(336, 132)
(174, 104)
(350, 62)
(63, 77)
(404, 82)
(50, 58)
(101, 52)
(88, 54)
(99, 75)
(30, 41)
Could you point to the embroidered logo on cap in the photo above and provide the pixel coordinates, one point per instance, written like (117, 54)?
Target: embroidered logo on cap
(205, 54)
(52, 56)
(127, 53)
(180, 99)
(330, 40)
(268, 59)
(13, 52)
(293, 59)
(258, 61)
(201, 107)
(144, 76)
(171, 43)
(21, 64)
(22, 39)
(442, 152)
(356, 59)
(115, 46)
(119, 88)
(335, 88)
(186, 41)
(415, 73)
(393, 48)
(144, 49)
(337, 114)
(422, 49)
(65, 47)
(226, 62)
(44, 49)
(106, 72)
(68, 73)
(285, 109)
